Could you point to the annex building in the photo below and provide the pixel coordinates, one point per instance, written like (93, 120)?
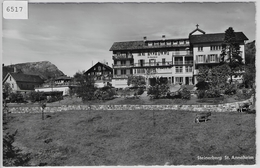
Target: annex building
(177, 59)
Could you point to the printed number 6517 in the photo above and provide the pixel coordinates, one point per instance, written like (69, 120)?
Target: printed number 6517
(14, 9)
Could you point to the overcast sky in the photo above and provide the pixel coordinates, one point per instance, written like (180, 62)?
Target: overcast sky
(72, 36)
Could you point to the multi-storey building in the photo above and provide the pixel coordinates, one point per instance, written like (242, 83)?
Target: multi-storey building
(175, 59)
(101, 73)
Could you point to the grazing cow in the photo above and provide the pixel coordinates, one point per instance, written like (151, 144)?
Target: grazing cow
(244, 106)
(202, 117)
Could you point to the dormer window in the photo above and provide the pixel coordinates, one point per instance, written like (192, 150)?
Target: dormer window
(200, 48)
(150, 44)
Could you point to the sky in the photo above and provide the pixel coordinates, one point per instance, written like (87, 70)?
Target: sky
(74, 36)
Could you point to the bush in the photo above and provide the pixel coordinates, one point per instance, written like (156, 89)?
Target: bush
(13, 156)
(158, 91)
(230, 89)
(36, 96)
(211, 93)
(185, 94)
(16, 98)
(105, 93)
(54, 99)
(201, 94)
(140, 91)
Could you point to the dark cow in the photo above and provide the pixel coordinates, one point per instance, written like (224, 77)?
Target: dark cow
(202, 117)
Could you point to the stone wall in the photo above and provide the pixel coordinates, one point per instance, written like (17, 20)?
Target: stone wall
(227, 107)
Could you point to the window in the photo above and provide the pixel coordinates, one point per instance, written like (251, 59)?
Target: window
(215, 47)
(179, 80)
(188, 68)
(123, 71)
(168, 43)
(200, 48)
(163, 61)
(152, 62)
(143, 54)
(200, 58)
(178, 69)
(140, 71)
(212, 57)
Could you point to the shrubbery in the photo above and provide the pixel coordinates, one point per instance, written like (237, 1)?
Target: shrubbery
(158, 91)
(12, 156)
(230, 89)
(36, 96)
(105, 93)
(16, 97)
(185, 94)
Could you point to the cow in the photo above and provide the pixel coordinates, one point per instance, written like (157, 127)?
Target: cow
(202, 117)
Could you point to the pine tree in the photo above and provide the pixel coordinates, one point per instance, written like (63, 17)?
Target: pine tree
(231, 53)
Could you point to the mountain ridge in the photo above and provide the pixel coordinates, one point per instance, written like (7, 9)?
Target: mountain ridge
(45, 69)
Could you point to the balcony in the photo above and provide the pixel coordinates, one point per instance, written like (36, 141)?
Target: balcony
(123, 66)
(154, 64)
(122, 56)
(207, 62)
(183, 63)
(185, 53)
(120, 76)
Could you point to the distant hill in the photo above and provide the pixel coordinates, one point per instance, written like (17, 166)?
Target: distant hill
(250, 53)
(44, 69)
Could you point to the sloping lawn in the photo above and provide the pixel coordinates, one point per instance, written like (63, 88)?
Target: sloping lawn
(85, 138)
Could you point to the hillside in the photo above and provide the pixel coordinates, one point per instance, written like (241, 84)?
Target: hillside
(250, 52)
(44, 69)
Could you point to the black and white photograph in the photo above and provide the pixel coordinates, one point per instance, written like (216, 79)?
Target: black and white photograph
(119, 83)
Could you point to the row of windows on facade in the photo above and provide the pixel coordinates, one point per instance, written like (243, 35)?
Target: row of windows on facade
(99, 73)
(165, 52)
(178, 69)
(162, 43)
(177, 79)
(212, 48)
(207, 58)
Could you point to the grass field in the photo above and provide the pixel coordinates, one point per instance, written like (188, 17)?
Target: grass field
(85, 138)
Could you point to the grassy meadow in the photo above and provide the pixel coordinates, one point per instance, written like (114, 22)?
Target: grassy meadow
(88, 138)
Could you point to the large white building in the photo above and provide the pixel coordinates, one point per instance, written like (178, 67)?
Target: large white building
(177, 60)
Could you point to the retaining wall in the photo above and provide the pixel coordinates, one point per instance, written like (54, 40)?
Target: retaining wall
(227, 107)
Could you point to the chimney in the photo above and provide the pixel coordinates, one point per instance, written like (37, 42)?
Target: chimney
(144, 39)
(15, 69)
(163, 37)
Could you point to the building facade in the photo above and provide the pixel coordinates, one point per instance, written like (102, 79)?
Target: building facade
(101, 73)
(20, 82)
(177, 60)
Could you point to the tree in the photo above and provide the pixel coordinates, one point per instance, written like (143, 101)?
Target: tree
(136, 81)
(249, 75)
(86, 86)
(212, 80)
(159, 90)
(231, 53)
(6, 90)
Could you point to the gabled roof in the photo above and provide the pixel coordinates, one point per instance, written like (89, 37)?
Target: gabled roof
(108, 68)
(21, 77)
(63, 78)
(216, 37)
(137, 45)
(197, 30)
